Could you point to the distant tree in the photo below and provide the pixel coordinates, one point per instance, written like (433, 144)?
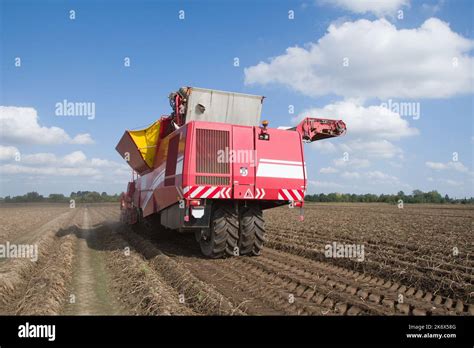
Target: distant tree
(33, 197)
(57, 197)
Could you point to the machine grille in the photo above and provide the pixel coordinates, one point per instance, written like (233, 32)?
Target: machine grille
(209, 143)
(212, 180)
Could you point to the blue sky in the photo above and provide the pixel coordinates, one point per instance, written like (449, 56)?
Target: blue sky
(82, 60)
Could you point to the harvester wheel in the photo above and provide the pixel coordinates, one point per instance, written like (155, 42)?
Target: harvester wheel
(221, 239)
(252, 231)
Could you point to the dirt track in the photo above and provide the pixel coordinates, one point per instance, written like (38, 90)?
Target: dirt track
(91, 264)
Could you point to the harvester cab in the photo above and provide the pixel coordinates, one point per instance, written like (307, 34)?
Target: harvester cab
(211, 167)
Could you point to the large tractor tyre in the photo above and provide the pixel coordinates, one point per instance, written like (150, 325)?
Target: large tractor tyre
(252, 231)
(220, 240)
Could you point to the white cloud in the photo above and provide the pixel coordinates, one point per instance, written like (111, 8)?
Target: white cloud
(452, 182)
(73, 164)
(20, 125)
(436, 165)
(328, 170)
(373, 177)
(377, 7)
(82, 139)
(372, 121)
(324, 184)
(8, 152)
(368, 129)
(102, 163)
(431, 61)
(39, 158)
(350, 175)
(458, 166)
(74, 158)
(373, 148)
(353, 162)
(323, 146)
(379, 176)
(448, 182)
(50, 171)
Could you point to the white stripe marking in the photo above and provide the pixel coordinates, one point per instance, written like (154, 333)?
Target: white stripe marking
(285, 171)
(280, 161)
(158, 180)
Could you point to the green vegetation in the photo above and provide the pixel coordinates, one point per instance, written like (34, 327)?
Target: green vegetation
(416, 197)
(79, 197)
(94, 197)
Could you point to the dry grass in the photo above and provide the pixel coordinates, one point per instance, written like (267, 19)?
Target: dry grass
(140, 288)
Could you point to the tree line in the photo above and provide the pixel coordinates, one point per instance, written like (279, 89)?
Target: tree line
(79, 197)
(416, 196)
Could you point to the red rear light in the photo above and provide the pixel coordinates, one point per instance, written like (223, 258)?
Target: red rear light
(298, 204)
(194, 202)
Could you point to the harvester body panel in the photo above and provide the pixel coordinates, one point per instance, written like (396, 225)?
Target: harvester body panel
(220, 106)
(209, 160)
(162, 187)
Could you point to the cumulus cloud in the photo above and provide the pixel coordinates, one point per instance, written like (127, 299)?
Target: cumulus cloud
(373, 148)
(50, 171)
(353, 162)
(452, 182)
(328, 170)
(371, 121)
(82, 139)
(39, 158)
(20, 125)
(324, 146)
(324, 184)
(431, 61)
(8, 152)
(350, 175)
(73, 164)
(376, 7)
(374, 177)
(379, 176)
(369, 130)
(457, 166)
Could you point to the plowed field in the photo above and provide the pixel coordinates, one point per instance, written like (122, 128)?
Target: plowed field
(417, 261)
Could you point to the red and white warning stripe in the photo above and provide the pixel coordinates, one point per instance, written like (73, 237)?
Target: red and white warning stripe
(290, 195)
(260, 193)
(225, 193)
(206, 192)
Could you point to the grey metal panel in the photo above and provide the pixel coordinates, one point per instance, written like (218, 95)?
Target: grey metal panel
(226, 107)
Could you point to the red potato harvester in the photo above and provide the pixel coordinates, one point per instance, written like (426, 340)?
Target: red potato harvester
(209, 168)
